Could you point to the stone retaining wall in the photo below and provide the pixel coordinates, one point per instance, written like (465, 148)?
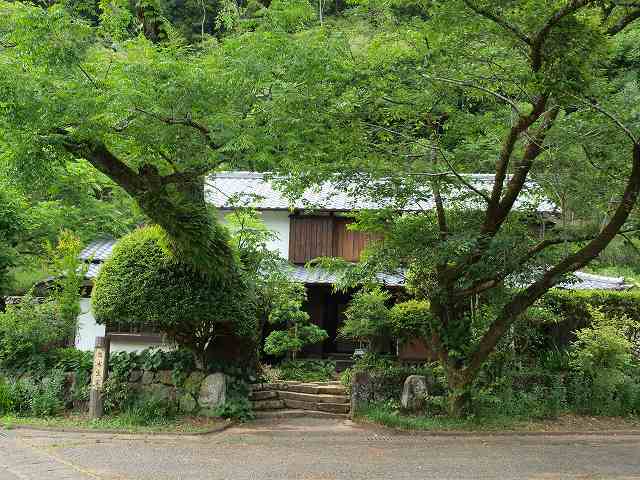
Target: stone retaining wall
(199, 394)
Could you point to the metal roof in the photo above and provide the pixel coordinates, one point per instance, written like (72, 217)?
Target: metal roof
(262, 191)
(102, 249)
(98, 250)
(318, 276)
(589, 281)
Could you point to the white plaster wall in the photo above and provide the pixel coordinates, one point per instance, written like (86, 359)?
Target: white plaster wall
(87, 329)
(278, 222)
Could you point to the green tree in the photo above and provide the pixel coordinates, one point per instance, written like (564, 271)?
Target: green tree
(286, 311)
(69, 272)
(519, 90)
(12, 225)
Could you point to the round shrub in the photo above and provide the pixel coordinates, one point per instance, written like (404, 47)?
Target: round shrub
(411, 319)
(144, 283)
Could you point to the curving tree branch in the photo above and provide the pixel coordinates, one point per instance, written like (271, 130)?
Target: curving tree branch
(488, 14)
(624, 21)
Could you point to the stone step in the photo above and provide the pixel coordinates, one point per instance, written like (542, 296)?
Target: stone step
(334, 407)
(332, 390)
(342, 408)
(313, 398)
(268, 405)
(258, 395)
(316, 389)
(309, 388)
(256, 387)
(296, 413)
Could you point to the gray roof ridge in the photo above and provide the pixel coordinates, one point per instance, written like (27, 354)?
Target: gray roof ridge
(603, 278)
(258, 175)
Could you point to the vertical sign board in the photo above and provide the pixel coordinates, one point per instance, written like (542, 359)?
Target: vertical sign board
(99, 376)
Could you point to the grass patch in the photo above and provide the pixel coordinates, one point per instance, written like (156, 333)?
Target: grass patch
(120, 423)
(382, 415)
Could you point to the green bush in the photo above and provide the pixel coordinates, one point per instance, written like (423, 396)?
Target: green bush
(149, 411)
(572, 310)
(368, 318)
(20, 394)
(144, 284)
(26, 396)
(603, 347)
(286, 311)
(29, 332)
(237, 405)
(72, 360)
(517, 396)
(605, 377)
(118, 396)
(238, 408)
(6, 397)
(307, 370)
(411, 319)
(47, 395)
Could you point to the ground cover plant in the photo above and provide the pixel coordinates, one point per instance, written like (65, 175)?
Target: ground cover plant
(303, 370)
(123, 423)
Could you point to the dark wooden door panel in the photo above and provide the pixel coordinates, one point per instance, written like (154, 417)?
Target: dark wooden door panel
(324, 236)
(310, 237)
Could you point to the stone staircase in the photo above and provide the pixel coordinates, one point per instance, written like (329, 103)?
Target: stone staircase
(296, 399)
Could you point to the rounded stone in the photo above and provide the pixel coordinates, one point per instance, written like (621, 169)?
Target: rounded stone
(213, 391)
(414, 393)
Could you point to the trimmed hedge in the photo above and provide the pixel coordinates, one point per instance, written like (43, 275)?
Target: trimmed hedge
(571, 309)
(144, 283)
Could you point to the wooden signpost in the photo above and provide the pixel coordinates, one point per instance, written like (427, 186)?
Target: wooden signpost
(99, 376)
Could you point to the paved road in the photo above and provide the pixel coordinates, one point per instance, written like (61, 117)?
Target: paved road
(308, 449)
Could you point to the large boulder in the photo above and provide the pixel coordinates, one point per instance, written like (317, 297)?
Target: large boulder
(414, 393)
(213, 391)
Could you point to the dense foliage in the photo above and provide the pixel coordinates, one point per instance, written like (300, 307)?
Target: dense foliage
(28, 331)
(12, 224)
(417, 94)
(569, 311)
(33, 331)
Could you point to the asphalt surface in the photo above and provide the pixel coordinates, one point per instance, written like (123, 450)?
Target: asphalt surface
(310, 449)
